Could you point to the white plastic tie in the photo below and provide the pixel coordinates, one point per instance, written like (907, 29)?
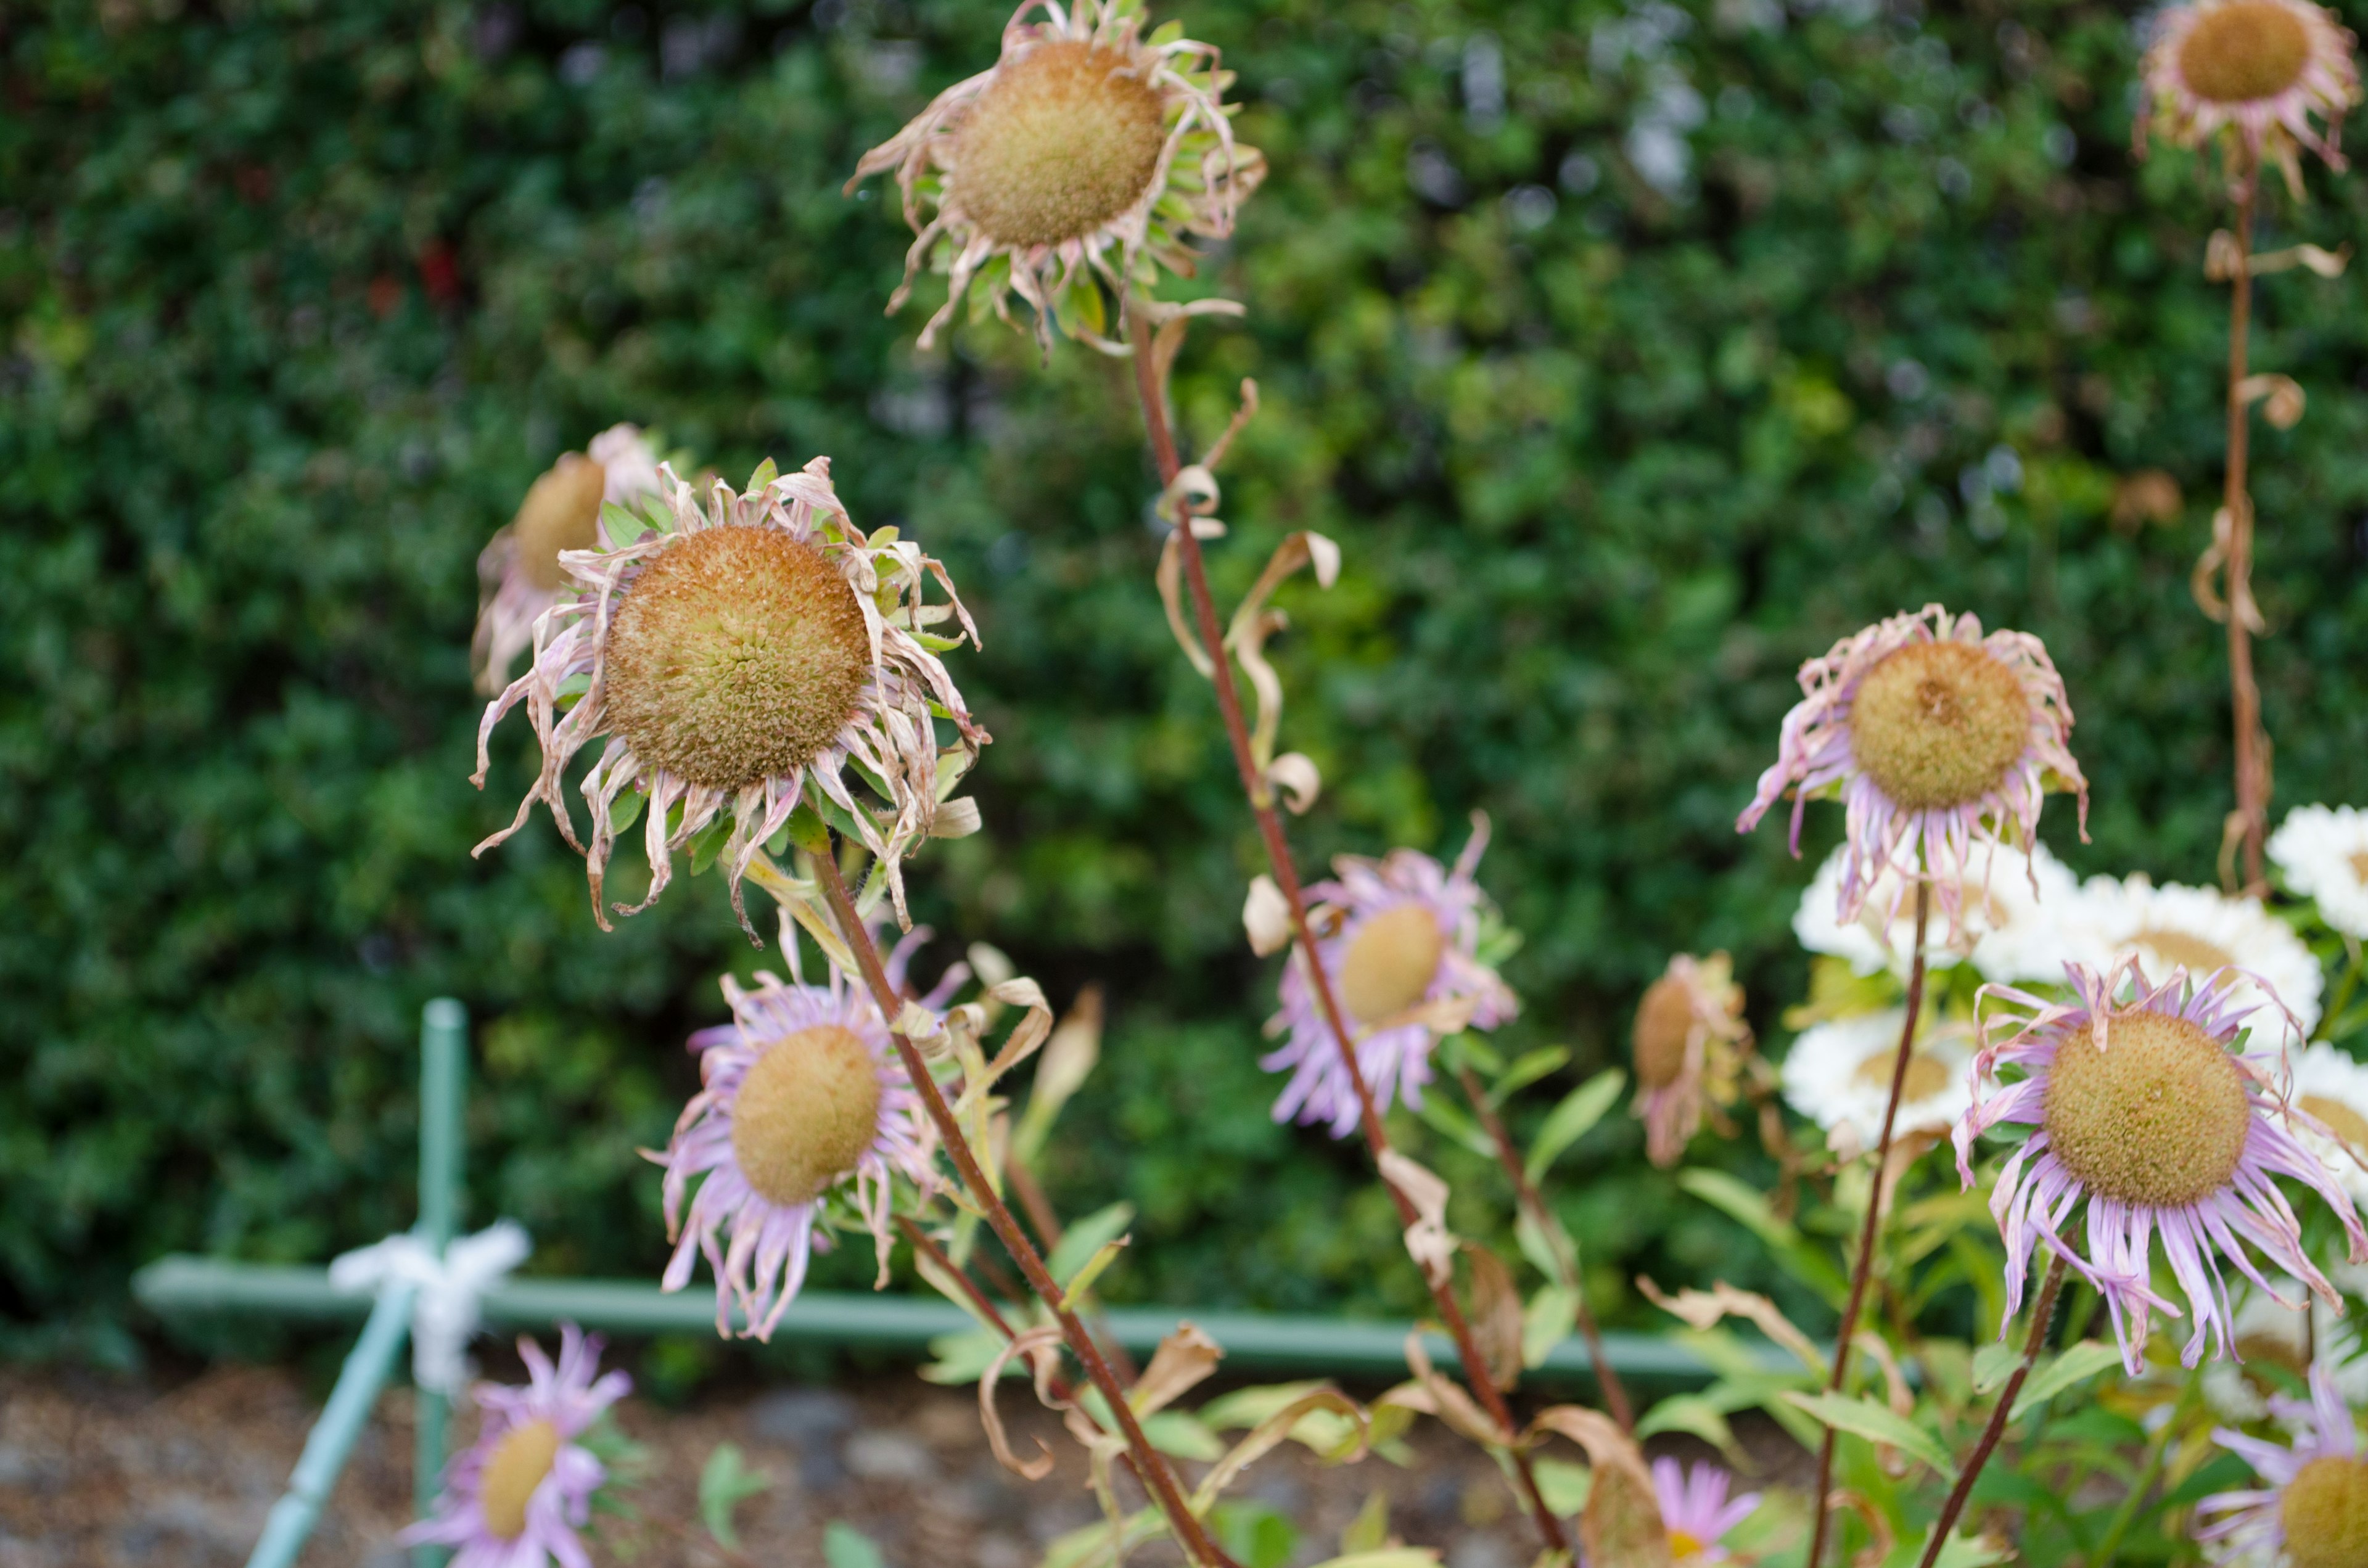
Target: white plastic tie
(444, 1315)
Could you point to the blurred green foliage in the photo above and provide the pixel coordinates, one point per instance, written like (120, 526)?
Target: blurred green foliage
(296, 299)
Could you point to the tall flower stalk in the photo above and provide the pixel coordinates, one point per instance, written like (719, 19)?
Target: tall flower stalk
(1149, 386)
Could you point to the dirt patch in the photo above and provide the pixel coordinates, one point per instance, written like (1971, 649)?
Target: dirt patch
(97, 1472)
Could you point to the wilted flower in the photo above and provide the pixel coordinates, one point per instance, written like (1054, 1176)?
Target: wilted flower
(2141, 1106)
(1697, 1512)
(1935, 738)
(802, 1097)
(2314, 1512)
(2260, 67)
(517, 1496)
(742, 656)
(519, 576)
(1838, 1075)
(1402, 956)
(1689, 1039)
(2323, 850)
(2010, 905)
(2203, 932)
(1084, 151)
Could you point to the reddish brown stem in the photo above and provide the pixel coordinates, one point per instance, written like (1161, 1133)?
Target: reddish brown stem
(2252, 743)
(2041, 1312)
(1286, 876)
(1867, 1232)
(1031, 1193)
(1148, 1463)
(1525, 1193)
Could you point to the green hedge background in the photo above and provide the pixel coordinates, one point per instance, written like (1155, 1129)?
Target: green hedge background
(298, 298)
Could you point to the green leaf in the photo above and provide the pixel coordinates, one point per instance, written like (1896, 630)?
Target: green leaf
(2078, 1365)
(1371, 1528)
(624, 526)
(964, 1357)
(1962, 1550)
(724, 1483)
(1186, 1435)
(1106, 1254)
(1569, 1121)
(844, 1545)
(1749, 1206)
(1255, 1533)
(1081, 1240)
(765, 473)
(1527, 1069)
(1992, 1365)
(1546, 1323)
(1877, 1422)
(1564, 1485)
(1688, 1413)
(1454, 1125)
(1547, 1246)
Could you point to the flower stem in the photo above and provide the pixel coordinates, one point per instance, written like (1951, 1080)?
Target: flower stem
(2252, 743)
(2041, 1312)
(1148, 1463)
(1525, 1193)
(2157, 1452)
(1867, 1233)
(1154, 396)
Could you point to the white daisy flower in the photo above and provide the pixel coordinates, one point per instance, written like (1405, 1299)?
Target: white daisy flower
(2171, 926)
(1838, 1075)
(2270, 1332)
(2330, 1086)
(2012, 907)
(2323, 850)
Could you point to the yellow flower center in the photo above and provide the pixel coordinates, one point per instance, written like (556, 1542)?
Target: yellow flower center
(1683, 1545)
(2325, 1513)
(806, 1113)
(2182, 948)
(2342, 1120)
(1390, 963)
(1065, 140)
(1937, 724)
(1664, 1023)
(519, 1463)
(1927, 1076)
(2358, 862)
(737, 654)
(2157, 1118)
(561, 511)
(2245, 51)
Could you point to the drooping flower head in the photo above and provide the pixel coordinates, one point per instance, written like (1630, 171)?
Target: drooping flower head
(1838, 1075)
(1935, 738)
(2262, 69)
(2010, 905)
(802, 1099)
(1688, 1040)
(2139, 1103)
(516, 1497)
(519, 576)
(2203, 932)
(1085, 151)
(1399, 941)
(740, 656)
(2323, 850)
(2313, 1510)
(1697, 1512)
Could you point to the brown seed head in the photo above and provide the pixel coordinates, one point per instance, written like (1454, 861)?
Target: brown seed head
(2244, 51)
(1937, 724)
(1927, 1076)
(515, 1469)
(561, 511)
(1066, 139)
(737, 654)
(806, 1113)
(1665, 1024)
(2157, 1118)
(1391, 962)
(2326, 1514)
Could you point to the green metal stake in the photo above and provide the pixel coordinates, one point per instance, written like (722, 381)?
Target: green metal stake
(332, 1438)
(443, 1062)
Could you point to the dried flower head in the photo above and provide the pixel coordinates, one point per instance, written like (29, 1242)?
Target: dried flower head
(519, 576)
(2262, 69)
(2314, 1511)
(1689, 1039)
(802, 1098)
(1936, 738)
(2139, 1103)
(516, 1497)
(1085, 151)
(742, 655)
(1401, 951)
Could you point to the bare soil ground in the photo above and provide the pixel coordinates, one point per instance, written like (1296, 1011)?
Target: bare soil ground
(97, 1472)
